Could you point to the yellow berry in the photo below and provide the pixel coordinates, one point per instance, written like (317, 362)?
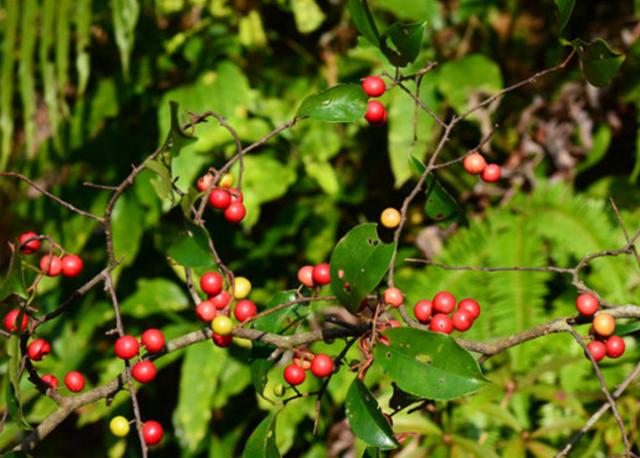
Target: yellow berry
(390, 218)
(244, 343)
(242, 288)
(119, 426)
(226, 181)
(279, 390)
(222, 325)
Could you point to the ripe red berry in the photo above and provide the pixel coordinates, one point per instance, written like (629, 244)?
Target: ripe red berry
(322, 365)
(305, 276)
(38, 349)
(219, 198)
(462, 320)
(50, 380)
(153, 340)
(322, 274)
(211, 283)
(222, 341)
(204, 182)
(244, 310)
(441, 323)
(474, 163)
(375, 112)
(444, 302)
(491, 173)
(235, 212)
(294, 374)
(221, 300)
(152, 432)
(206, 311)
(373, 86)
(587, 304)
(236, 196)
(470, 306)
(144, 371)
(126, 347)
(50, 265)
(11, 318)
(74, 381)
(393, 297)
(71, 265)
(597, 349)
(31, 246)
(615, 346)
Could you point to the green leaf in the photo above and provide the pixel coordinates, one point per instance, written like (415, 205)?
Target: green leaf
(627, 328)
(372, 452)
(428, 364)
(162, 183)
(10, 32)
(13, 282)
(598, 61)
(125, 16)
(259, 365)
(565, 8)
(13, 387)
(262, 442)
(154, 295)
(341, 103)
(358, 263)
(599, 148)
(307, 14)
(439, 205)
(401, 43)
(192, 250)
(62, 40)
(128, 227)
(83, 60)
(366, 419)
(280, 322)
(179, 137)
(26, 72)
(363, 20)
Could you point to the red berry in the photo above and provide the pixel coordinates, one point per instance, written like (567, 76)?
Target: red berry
(244, 310)
(587, 304)
(462, 320)
(222, 341)
(50, 265)
(206, 311)
(491, 173)
(373, 86)
(444, 302)
(50, 380)
(615, 346)
(71, 265)
(219, 198)
(221, 300)
(144, 371)
(211, 283)
(11, 318)
(322, 274)
(152, 432)
(37, 349)
(235, 212)
(393, 297)
(74, 381)
(31, 246)
(294, 374)
(470, 306)
(204, 182)
(153, 340)
(305, 276)
(375, 112)
(441, 323)
(474, 163)
(236, 196)
(126, 347)
(322, 365)
(597, 349)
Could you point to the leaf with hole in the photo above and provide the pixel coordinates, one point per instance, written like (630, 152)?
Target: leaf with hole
(363, 20)
(401, 43)
(341, 103)
(262, 442)
(598, 61)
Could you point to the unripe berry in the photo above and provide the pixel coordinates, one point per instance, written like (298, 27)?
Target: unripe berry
(144, 371)
(222, 341)
(244, 310)
(444, 302)
(31, 246)
(597, 349)
(51, 265)
(241, 288)
(587, 304)
(74, 381)
(11, 321)
(153, 340)
(474, 163)
(235, 212)
(152, 432)
(204, 182)
(390, 218)
(226, 181)
(211, 283)
(305, 276)
(462, 320)
(470, 306)
(119, 426)
(322, 365)
(37, 349)
(615, 346)
(393, 297)
(441, 323)
(303, 359)
(604, 324)
(71, 265)
(206, 311)
(219, 198)
(221, 300)
(126, 347)
(373, 86)
(294, 375)
(222, 325)
(491, 173)
(279, 390)
(376, 113)
(50, 380)
(322, 274)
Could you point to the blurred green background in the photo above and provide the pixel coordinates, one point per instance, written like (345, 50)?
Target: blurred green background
(84, 93)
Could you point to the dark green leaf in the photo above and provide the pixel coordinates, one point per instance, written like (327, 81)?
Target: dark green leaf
(428, 364)
(598, 61)
(401, 399)
(13, 282)
(262, 442)
(281, 322)
(179, 138)
(13, 386)
(401, 43)
(565, 7)
(128, 227)
(192, 250)
(358, 263)
(366, 419)
(627, 328)
(439, 204)
(364, 21)
(341, 103)
(260, 365)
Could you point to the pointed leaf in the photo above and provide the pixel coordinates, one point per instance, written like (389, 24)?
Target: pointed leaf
(364, 21)
(341, 103)
(262, 442)
(125, 16)
(13, 386)
(401, 43)
(179, 137)
(13, 282)
(259, 365)
(565, 8)
(598, 61)
(192, 250)
(439, 205)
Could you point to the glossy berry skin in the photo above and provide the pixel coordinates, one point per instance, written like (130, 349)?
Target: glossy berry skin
(322, 365)
(11, 318)
(51, 265)
(441, 323)
(462, 320)
(222, 341)
(30, 247)
(474, 163)
(597, 349)
(235, 212)
(211, 283)
(322, 274)
(206, 311)
(119, 426)
(294, 375)
(126, 347)
(38, 349)
(153, 340)
(375, 112)
(204, 182)
(221, 300)
(222, 325)
(393, 297)
(471, 306)
(236, 196)
(152, 432)
(71, 265)
(587, 304)
(244, 310)
(220, 199)
(373, 86)
(241, 288)
(74, 381)
(50, 380)
(226, 181)
(305, 276)
(491, 173)
(615, 346)
(604, 324)
(444, 302)
(390, 218)
(144, 371)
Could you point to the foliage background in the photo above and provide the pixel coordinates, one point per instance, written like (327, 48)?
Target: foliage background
(84, 94)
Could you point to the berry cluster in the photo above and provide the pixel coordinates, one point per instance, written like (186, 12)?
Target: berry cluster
(602, 326)
(440, 315)
(152, 431)
(312, 276)
(321, 366)
(376, 113)
(69, 265)
(224, 197)
(475, 164)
